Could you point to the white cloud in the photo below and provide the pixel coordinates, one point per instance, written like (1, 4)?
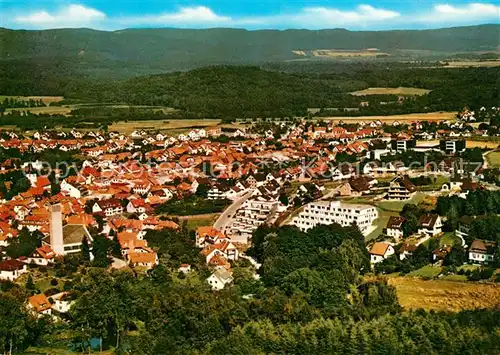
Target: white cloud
(468, 12)
(362, 16)
(324, 17)
(70, 16)
(186, 16)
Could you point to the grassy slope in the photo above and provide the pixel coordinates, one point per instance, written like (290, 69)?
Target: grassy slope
(443, 295)
(493, 159)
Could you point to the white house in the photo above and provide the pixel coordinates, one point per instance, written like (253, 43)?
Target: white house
(380, 251)
(109, 207)
(430, 224)
(395, 227)
(219, 279)
(62, 302)
(43, 255)
(184, 268)
(482, 252)
(12, 269)
(40, 305)
(70, 189)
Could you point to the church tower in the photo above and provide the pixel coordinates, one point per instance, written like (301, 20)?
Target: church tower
(56, 229)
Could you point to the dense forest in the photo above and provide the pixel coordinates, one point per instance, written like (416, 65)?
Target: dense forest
(138, 51)
(230, 92)
(312, 297)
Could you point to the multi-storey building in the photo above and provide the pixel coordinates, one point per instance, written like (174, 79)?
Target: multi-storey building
(328, 212)
(254, 212)
(452, 146)
(400, 188)
(402, 145)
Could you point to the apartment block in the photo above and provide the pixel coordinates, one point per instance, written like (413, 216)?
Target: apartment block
(328, 212)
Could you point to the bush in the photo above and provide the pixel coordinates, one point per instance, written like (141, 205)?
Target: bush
(481, 274)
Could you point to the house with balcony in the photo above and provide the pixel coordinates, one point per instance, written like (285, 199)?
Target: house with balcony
(482, 251)
(400, 188)
(430, 224)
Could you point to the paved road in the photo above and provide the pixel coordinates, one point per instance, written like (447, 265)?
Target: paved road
(226, 217)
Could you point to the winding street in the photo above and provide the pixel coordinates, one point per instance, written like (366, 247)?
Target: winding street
(226, 217)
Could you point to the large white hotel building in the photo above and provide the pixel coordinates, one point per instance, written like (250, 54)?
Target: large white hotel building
(328, 212)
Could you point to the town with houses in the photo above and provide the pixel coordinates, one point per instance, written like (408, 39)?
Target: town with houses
(299, 172)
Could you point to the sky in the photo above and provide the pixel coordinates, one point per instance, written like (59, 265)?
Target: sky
(252, 15)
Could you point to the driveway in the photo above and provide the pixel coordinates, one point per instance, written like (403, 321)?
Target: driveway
(226, 217)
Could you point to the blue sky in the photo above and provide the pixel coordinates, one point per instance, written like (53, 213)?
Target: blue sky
(264, 14)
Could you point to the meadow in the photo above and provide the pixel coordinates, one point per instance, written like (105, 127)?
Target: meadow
(444, 295)
(493, 159)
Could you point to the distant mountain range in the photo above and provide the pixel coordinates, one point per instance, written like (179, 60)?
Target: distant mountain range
(173, 49)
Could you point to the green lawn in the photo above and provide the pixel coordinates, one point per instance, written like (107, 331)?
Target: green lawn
(44, 284)
(191, 278)
(449, 238)
(466, 267)
(397, 206)
(436, 185)
(193, 223)
(427, 271)
(383, 218)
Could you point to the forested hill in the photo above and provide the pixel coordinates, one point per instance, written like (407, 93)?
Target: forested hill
(169, 49)
(250, 91)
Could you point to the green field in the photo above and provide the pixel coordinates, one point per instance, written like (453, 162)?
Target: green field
(427, 271)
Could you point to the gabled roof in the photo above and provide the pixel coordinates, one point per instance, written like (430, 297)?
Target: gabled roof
(428, 220)
(395, 222)
(142, 258)
(482, 247)
(46, 252)
(39, 302)
(379, 248)
(11, 265)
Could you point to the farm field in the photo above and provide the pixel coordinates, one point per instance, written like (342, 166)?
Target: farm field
(335, 53)
(45, 99)
(473, 63)
(482, 144)
(469, 143)
(391, 91)
(171, 126)
(51, 110)
(444, 295)
(430, 116)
